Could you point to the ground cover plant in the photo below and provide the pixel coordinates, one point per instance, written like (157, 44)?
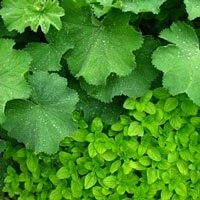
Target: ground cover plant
(99, 99)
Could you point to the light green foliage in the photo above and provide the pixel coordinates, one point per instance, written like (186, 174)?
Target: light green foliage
(14, 64)
(140, 78)
(111, 162)
(137, 6)
(193, 8)
(180, 61)
(44, 120)
(102, 7)
(20, 14)
(97, 51)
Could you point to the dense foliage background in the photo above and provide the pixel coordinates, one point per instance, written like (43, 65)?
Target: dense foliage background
(99, 99)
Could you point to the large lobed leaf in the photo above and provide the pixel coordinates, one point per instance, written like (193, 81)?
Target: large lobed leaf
(180, 61)
(47, 57)
(100, 47)
(13, 65)
(133, 85)
(20, 14)
(44, 120)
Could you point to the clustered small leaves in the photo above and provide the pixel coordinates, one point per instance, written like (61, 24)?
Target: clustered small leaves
(152, 152)
(97, 47)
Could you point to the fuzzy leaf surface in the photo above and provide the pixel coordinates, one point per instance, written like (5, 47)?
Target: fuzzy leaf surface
(180, 61)
(14, 64)
(193, 8)
(100, 47)
(44, 120)
(133, 85)
(20, 14)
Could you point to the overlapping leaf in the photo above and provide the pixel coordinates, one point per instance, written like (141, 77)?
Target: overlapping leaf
(133, 85)
(138, 6)
(180, 61)
(100, 47)
(193, 8)
(44, 120)
(20, 14)
(102, 7)
(46, 57)
(13, 65)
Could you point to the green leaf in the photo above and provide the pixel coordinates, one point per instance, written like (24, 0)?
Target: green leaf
(152, 175)
(193, 8)
(189, 108)
(166, 194)
(102, 8)
(182, 167)
(170, 104)
(110, 181)
(44, 120)
(137, 6)
(109, 155)
(64, 157)
(93, 108)
(95, 44)
(129, 104)
(63, 173)
(150, 108)
(56, 194)
(176, 122)
(127, 168)
(181, 189)
(20, 14)
(91, 150)
(90, 180)
(186, 155)
(115, 166)
(161, 93)
(96, 125)
(154, 154)
(184, 134)
(145, 160)
(136, 165)
(97, 192)
(135, 129)
(14, 64)
(32, 162)
(142, 149)
(47, 57)
(121, 189)
(100, 147)
(180, 61)
(76, 188)
(133, 85)
(172, 157)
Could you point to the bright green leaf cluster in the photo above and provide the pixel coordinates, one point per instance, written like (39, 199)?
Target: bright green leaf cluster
(20, 14)
(152, 152)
